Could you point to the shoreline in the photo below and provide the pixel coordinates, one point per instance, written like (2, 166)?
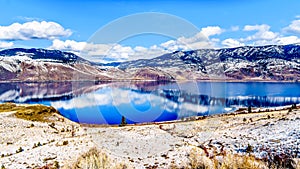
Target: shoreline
(159, 81)
(239, 111)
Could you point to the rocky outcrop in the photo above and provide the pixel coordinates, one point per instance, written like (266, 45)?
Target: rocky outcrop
(152, 74)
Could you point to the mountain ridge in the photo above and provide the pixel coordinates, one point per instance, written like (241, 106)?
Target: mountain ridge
(37, 65)
(271, 62)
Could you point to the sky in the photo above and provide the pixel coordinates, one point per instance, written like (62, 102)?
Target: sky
(122, 30)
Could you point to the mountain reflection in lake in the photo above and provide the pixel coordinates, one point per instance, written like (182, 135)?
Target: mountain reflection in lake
(106, 103)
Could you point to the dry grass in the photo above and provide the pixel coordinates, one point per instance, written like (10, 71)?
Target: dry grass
(5, 107)
(94, 159)
(29, 112)
(297, 163)
(241, 162)
(199, 160)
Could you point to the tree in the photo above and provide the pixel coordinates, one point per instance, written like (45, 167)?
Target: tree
(123, 122)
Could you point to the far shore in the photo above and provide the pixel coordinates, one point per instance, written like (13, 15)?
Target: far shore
(158, 81)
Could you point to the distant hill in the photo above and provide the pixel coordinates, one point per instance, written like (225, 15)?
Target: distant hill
(272, 62)
(20, 64)
(43, 54)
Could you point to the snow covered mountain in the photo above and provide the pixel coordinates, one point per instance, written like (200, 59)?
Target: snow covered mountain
(46, 65)
(41, 54)
(273, 62)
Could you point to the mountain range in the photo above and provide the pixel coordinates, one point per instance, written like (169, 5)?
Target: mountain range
(268, 63)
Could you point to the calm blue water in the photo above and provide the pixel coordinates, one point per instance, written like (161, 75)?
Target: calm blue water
(106, 103)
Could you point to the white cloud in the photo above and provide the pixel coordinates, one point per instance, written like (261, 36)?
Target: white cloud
(107, 96)
(215, 40)
(118, 53)
(106, 52)
(173, 45)
(279, 40)
(87, 100)
(70, 45)
(263, 36)
(211, 31)
(4, 45)
(140, 49)
(294, 27)
(232, 43)
(196, 42)
(256, 27)
(199, 41)
(27, 19)
(151, 52)
(83, 48)
(33, 30)
(235, 28)
(263, 32)
(257, 35)
(287, 40)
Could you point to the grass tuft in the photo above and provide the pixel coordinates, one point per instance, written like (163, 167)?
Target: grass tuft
(96, 159)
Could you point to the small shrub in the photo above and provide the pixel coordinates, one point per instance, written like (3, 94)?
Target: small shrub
(249, 149)
(66, 142)
(96, 159)
(52, 125)
(56, 165)
(3, 167)
(20, 150)
(244, 119)
(197, 160)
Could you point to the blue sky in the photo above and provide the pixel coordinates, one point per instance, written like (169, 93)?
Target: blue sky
(68, 25)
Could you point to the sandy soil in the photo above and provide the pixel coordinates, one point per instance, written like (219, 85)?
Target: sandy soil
(154, 145)
(41, 142)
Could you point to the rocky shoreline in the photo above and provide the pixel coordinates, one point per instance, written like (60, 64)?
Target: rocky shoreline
(266, 135)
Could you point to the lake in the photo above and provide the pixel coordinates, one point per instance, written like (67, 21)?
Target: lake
(139, 102)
